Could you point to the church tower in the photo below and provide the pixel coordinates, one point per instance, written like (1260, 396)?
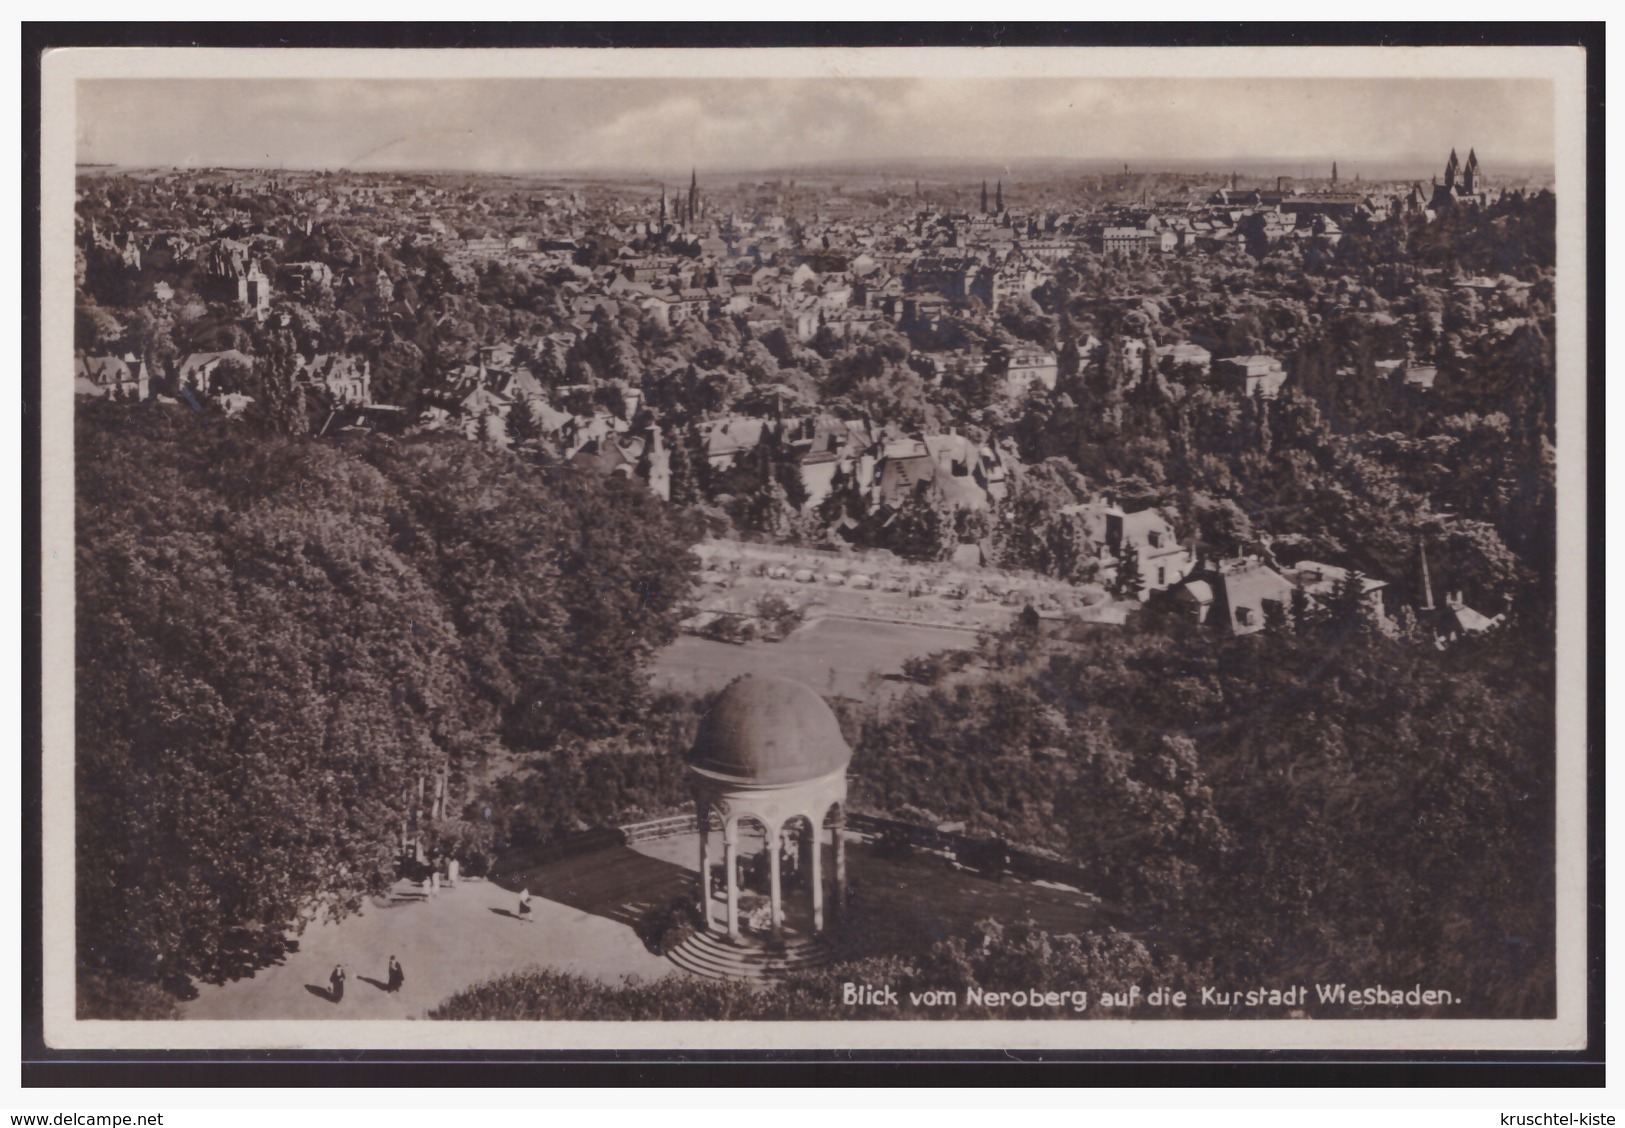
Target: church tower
(1334, 172)
(1469, 177)
(998, 201)
(1452, 166)
(984, 197)
(693, 193)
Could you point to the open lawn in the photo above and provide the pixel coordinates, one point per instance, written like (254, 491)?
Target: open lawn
(834, 656)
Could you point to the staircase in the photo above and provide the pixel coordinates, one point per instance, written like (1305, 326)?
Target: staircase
(714, 956)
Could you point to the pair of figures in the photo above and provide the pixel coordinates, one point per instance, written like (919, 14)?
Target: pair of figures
(396, 977)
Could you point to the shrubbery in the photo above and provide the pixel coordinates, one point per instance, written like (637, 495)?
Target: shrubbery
(665, 929)
(929, 669)
(103, 995)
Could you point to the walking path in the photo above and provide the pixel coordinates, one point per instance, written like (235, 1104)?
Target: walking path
(582, 910)
(462, 936)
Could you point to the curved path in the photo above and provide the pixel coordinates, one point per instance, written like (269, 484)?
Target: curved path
(582, 911)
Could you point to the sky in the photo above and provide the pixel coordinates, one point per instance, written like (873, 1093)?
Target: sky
(664, 126)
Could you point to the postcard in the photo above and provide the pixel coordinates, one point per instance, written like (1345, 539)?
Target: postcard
(1033, 548)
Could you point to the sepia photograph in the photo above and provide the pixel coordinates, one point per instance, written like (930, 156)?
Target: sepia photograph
(820, 548)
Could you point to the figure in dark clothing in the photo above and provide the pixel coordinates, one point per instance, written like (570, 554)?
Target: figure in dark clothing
(337, 981)
(396, 975)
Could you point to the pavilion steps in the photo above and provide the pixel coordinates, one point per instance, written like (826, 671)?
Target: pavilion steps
(714, 956)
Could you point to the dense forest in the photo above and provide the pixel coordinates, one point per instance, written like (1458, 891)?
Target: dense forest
(278, 639)
(1320, 800)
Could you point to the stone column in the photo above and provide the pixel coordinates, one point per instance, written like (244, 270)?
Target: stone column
(774, 896)
(815, 875)
(702, 814)
(840, 863)
(730, 856)
(417, 824)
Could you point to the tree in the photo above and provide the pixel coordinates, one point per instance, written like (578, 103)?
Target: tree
(759, 502)
(578, 371)
(1221, 523)
(1148, 360)
(95, 329)
(920, 528)
(1023, 318)
(1259, 409)
(1276, 621)
(279, 406)
(1300, 609)
(524, 422)
(685, 488)
(1347, 604)
(546, 367)
(1032, 529)
(1130, 583)
(1068, 364)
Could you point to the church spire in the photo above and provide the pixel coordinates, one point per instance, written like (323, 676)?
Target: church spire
(984, 197)
(693, 192)
(998, 203)
(1334, 172)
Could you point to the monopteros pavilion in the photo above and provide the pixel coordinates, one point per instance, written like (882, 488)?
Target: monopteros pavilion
(769, 769)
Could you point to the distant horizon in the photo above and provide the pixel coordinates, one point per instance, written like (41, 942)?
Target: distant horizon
(661, 128)
(922, 168)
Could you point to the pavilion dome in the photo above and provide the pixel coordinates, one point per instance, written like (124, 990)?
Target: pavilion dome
(769, 732)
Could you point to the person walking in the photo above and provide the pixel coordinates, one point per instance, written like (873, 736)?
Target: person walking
(396, 975)
(336, 980)
(524, 903)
